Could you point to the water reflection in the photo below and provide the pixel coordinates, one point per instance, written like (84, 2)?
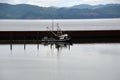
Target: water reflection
(49, 50)
(60, 61)
(58, 45)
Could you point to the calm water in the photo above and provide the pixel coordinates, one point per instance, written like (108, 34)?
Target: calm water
(60, 61)
(75, 24)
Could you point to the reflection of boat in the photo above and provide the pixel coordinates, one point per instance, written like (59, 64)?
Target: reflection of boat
(57, 48)
(58, 45)
(58, 36)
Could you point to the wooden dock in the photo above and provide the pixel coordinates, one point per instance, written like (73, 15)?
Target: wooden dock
(37, 35)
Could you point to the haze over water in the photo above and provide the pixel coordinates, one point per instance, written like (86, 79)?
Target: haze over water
(69, 24)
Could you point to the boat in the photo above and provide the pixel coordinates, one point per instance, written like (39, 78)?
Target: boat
(58, 36)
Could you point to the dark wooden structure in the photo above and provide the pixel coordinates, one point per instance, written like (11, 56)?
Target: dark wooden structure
(37, 35)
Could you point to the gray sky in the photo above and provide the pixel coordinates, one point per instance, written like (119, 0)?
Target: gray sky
(59, 3)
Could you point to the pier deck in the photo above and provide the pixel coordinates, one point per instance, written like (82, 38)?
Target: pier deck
(37, 35)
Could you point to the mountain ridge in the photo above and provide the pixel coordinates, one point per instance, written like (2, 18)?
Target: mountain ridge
(83, 11)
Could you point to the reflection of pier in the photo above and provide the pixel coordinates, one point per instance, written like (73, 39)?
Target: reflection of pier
(53, 48)
(24, 46)
(58, 45)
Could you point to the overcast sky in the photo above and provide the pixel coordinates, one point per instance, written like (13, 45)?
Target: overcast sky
(59, 3)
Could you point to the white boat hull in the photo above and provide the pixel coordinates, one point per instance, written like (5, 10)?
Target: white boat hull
(56, 40)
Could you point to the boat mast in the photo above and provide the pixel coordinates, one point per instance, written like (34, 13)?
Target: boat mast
(53, 24)
(53, 21)
(51, 31)
(59, 32)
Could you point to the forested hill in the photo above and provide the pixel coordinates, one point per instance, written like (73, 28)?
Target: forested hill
(83, 11)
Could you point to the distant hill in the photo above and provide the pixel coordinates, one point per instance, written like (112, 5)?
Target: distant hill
(86, 6)
(83, 11)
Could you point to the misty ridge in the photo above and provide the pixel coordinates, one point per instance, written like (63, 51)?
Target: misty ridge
(82, 11)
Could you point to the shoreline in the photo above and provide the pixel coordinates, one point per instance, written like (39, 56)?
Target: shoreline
(60, 19)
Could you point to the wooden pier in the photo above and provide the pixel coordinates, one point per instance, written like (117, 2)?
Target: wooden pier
(37, 35)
